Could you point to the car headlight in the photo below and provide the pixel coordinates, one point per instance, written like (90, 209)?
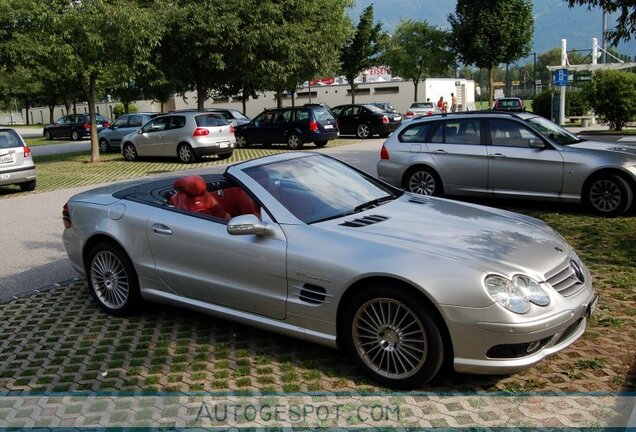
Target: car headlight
(517, 293)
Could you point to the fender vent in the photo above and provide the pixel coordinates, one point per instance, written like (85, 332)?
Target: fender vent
(365, 221)
(312, 294)
(418, 199)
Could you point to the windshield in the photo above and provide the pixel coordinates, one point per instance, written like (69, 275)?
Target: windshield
(318, 188)
(552, 131)
(238, 114)
(422, 105)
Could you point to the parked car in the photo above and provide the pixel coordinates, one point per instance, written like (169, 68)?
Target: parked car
(366, 120)
(294, 126)
(232, 116)
(386, 106)
(302, 244)
(187, 135)
(16, 162)
(510, 104)
(421, 109)
(498, 154)
(110, 137)
(74, 126)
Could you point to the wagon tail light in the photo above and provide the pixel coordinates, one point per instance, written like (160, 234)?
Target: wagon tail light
(231, 129)
(66, 216)
(86, 125)
(106, 124)
(313, 126)
(384, 153)
(201, 132)
(27, 152)
(410, 113)
(385, 119)
(429, 113)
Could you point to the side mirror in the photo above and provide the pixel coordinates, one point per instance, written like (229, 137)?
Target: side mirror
(247, 225)
(536, 143)
(140, 131)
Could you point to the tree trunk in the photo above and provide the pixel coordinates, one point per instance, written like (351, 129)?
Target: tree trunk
(279, 99)
(353, 92)
(415, 84)
(74, 106)
(67, 105)
(491, 83)
(126, 106)
(201, 93)
(91, 114)
(51, 113)
(244, 100)
(26, 110)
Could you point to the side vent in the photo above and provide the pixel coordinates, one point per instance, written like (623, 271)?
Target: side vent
(418, 199)
(365, 221)
(312, 294)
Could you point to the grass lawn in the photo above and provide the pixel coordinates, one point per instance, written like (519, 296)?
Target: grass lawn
(33, 142)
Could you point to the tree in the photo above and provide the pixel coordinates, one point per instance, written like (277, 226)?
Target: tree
(362, 49)
(417, 50)
(553, 58)
(626, 22)
(612, 94)
(487, 33)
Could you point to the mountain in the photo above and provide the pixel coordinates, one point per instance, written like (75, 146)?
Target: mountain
(553, 21)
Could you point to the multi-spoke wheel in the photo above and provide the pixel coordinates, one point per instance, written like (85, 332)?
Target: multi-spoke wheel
(104, 145)
(130, 153)
(185, 153)
(112, 279)
(423, 181)
(241, 141)
(363, 131)
(393, 338)
(294, 141)
(609, 195)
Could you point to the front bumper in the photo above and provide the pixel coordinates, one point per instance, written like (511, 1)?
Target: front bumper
(501, 348)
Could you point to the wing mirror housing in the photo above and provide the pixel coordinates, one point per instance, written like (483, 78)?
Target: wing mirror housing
(247, 225)
(536, 143)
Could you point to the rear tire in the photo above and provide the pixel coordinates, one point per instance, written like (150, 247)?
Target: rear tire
(186, 154)
(241, 141)
(27, 186)
(294, 141)
(47, 135)
(423, 181)
(225, 156)
(104, 147)
(363, 131)
(75, 135)
(320, 144)
(130, 153)
(608, 195)
(112, 279)
(393, 337)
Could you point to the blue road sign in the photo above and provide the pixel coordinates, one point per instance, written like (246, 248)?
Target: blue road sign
(560, 77)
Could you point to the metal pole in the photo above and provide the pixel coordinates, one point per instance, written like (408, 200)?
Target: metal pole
(604, 38)
(564, 56)
(534, 73)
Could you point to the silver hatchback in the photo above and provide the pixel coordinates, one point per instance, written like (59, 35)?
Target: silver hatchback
(16, 162)
(186, 135)
(509, 155)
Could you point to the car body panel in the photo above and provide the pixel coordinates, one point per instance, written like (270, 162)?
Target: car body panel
(124, 125)
(15, 168)
(67, 124)
(350, 116)
(441, 248)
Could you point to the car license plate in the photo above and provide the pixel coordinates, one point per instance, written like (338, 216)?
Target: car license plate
(4, 176)
(397, 118)
(328, 127)
(224, 144)
(6, 159)
(592, 306)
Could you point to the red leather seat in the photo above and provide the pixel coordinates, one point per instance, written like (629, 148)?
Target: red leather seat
(238, 202)
(193, 196)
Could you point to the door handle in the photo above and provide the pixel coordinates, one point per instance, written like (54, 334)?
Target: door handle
(439, 151)
(161, 229)
(497, 156)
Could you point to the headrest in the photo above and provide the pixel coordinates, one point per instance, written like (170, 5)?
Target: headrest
(191, 185)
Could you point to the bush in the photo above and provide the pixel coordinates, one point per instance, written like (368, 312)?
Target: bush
(542, 104)
(119, 110)
(612, 94)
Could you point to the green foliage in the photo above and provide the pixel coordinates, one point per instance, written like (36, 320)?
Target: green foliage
(359, 52)
(612, 94)
(417, 50)
(489, 32)
(542, 104)
(626, 22)
(119, 109)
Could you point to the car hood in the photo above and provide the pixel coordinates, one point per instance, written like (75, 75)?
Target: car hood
(606, 147)
(487, 239)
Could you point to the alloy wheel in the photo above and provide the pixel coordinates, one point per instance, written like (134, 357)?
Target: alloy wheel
(605, 195)
(109, 280)
(422, 182)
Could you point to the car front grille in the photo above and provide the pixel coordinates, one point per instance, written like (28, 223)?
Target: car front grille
(563, 279)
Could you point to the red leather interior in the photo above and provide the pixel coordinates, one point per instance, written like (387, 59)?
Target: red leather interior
(238, 202)
(193, 196)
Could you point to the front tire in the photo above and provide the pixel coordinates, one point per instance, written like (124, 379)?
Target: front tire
(130, 153)
(294, 141)
(320, 144)
(608, 195)
(112, 279)
(47, 135)
(104, 146)
(241, 141)
(393, 337)
(27, 186)
(423, 181)
(363, 131)
(185, 153)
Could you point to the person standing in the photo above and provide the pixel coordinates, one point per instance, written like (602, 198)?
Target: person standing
(440, 103)
(453, 103)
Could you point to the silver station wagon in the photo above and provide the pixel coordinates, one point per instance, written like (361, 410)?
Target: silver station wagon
(307, 246)
(508, 155)
(16, 162)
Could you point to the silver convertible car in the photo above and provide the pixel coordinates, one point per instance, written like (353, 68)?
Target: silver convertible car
(307, 246)
(509, 155)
